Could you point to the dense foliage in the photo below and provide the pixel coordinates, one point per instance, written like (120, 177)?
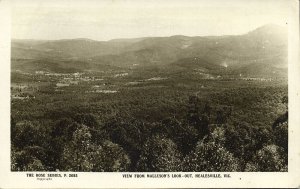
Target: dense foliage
(183, 123)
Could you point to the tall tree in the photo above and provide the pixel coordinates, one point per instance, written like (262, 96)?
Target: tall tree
(78, 153)
(211, 155)
(268, 159)
(159, 154)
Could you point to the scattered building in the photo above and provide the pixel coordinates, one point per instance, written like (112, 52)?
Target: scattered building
(256, 79)
(40, 72)
(106, 91)
(62, 84)
(156, 79)
(121, 74)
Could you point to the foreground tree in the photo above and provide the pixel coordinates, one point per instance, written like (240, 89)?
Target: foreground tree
(81, 154)
(27, 134)
(110, 157)
(211, 155)
(78, 154)
(27, 160)
(159, 154)
(199, 115)
(182, 134)
(268, 159)
(281, 136)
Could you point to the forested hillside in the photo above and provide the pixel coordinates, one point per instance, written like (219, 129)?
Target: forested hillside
(216, 103)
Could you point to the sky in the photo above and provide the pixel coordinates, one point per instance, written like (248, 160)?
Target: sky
(109, 19)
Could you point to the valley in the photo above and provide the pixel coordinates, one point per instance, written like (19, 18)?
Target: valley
(179, 103)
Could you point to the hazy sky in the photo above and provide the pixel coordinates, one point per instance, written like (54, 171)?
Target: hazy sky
(108, 19)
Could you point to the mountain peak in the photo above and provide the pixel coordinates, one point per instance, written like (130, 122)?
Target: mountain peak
(77, 39)
(270, 29)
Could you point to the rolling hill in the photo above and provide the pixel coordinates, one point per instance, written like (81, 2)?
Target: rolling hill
(263, 51)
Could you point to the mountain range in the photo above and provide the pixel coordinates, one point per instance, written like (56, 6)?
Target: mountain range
(261, 51)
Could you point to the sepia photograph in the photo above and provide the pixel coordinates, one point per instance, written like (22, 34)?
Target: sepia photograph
(181, 87)
(140, 89)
